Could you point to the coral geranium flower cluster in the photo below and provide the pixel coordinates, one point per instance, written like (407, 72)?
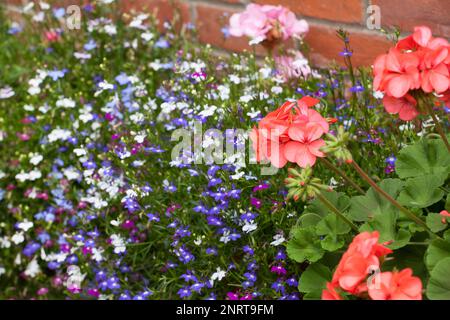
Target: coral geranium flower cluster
(418, 64)
(267, 22)
(292, 133)
(363, 258)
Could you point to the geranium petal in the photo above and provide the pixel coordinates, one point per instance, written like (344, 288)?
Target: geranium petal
(291, 148)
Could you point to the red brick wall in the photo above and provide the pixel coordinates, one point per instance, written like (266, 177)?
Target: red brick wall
(324, 17)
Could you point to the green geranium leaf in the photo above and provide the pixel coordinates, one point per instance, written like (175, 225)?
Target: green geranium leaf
(447, 203)
(423, 158)
(332, 224)
(309, 219)
(304, 245)
(422, 192)
(313, 280)
(338, 199)
(389, 232)
(332, 243)
(438, 287)
(367, 207)
(437, 251)
(434, 222)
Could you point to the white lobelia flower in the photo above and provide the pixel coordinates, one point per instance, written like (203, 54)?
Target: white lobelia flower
(276, 89)
(71, 173)
(218, 275)
(82, 55)
(65, 103)
(5, 243)
(18, 238)
(147, 36)
(246, 98)
(6, 92)
(234, 79)
(34, 175)
(59, 134)
(118, 243)
(36, 159)
(249, 226)
(25, 225)
(32, 269)
(378, 95)
(80, 152)
(278, 239)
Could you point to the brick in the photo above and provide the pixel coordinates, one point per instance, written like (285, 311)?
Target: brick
(13, 2)
(409, 13)
(349, 11)
(164, 9)
(325, 46)
(228, 1)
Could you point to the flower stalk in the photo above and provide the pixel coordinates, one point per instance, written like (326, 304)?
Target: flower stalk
(346, 178)
(336, 211)
(437, 125)
(388, 197)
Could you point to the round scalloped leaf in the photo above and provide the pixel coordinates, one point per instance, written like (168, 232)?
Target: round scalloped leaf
(304, 245)
(438, 287)
(422, 192)
(313, 280)
(425, 157)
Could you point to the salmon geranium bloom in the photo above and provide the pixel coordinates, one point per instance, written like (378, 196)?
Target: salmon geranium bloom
(362, 256)
(419, 64)
(292, 133)
(397, 286)
(330, 293)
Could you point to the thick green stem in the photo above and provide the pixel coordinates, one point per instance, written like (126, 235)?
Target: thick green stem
(336, 211)
(338, 171)
(388, 197)
(437, 125)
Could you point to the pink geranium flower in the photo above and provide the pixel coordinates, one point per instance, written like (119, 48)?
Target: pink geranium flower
(396, 73)
(292, 66)
(396, 286)
(405, 107)
(418, 65)
(266, 22)
(291, 133)
(330, 293)
(361, 257)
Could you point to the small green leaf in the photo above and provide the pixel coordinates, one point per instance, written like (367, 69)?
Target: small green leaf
(425, 157)
(422, 192)
(332, 243)
(309, 219)
(438, 287)
(332, 224)
(338, 199)
(304, 245)
(437, 251)
(313, 280)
